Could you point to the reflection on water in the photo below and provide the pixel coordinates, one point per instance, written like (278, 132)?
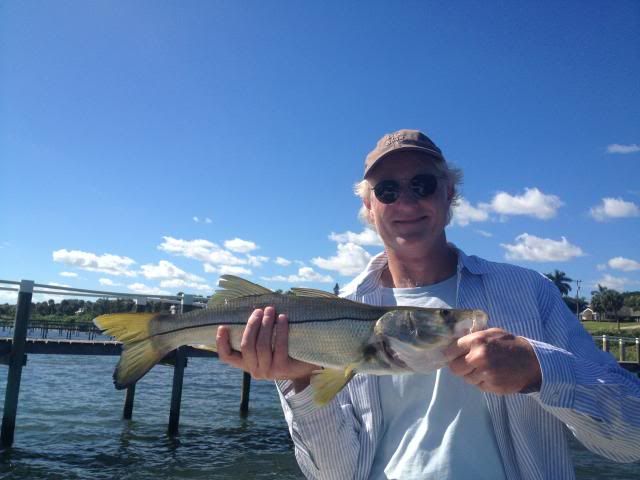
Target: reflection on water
(69, 426)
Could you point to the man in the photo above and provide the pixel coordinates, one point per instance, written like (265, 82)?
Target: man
(500, 408)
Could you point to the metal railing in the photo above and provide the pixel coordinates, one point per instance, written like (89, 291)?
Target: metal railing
(621, 344)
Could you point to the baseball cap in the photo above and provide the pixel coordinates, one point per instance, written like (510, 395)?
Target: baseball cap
(399, 141)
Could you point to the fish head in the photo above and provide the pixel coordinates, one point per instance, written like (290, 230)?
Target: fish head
(415, 337)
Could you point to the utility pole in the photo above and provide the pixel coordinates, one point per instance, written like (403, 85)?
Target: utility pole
(578, 282)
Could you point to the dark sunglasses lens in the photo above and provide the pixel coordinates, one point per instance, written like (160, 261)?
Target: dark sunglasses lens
(387, 191)
(423, 185)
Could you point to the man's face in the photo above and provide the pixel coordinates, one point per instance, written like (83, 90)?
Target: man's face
(409, 224)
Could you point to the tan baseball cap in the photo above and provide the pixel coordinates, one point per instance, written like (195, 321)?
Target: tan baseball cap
(399, 141)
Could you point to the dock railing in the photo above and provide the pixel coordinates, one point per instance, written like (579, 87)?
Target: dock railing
(625, 349)
(14, 352)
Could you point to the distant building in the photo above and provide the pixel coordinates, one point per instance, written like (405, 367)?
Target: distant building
(588, 315)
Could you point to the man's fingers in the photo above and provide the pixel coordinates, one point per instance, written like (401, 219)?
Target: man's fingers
(223, 346)
(264, 349)
(248, 342)
(460, 366)
(281, 347)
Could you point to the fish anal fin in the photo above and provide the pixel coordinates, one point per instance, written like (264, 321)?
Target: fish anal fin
(209, 347)
(327, 383)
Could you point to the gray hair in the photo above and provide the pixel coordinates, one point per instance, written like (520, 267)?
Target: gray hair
(452, 175)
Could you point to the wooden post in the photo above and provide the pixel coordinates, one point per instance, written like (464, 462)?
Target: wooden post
(605, 343)
(16, 360)
(127, 414)
(621, 345)
(638, 350)
(244, 395)
(178, 374)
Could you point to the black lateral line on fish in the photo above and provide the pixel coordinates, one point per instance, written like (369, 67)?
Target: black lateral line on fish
(213, 324)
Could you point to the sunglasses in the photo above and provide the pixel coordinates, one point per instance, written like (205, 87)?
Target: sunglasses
(421, 186)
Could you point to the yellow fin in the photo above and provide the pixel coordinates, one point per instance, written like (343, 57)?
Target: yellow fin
(235, 287)
(139, 352)
(327, 383)
(136, 360)
(210, 348)
(126, 327)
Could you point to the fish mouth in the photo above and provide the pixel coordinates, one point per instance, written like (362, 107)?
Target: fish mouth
(391, 356)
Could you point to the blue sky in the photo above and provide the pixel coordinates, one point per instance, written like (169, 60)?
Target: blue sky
(151, 146)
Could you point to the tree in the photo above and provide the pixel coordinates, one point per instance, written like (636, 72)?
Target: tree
(596, 300)
(561, 281)
(612, 301)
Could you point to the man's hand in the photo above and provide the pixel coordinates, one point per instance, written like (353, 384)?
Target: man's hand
(258, 357)
(495, 361)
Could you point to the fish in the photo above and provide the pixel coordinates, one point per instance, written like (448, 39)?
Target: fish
(341, 336)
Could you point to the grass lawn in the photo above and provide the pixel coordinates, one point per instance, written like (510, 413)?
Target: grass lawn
(627, 327)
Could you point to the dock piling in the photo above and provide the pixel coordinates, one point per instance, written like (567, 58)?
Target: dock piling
(16, 361)
(127, 414)
(178, 374)
(244, 395)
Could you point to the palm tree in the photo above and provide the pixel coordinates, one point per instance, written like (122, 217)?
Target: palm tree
(561, 281)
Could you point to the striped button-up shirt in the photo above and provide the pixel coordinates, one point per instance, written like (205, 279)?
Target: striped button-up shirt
(583, 389)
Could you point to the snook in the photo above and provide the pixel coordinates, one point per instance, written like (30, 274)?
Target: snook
(343, 336)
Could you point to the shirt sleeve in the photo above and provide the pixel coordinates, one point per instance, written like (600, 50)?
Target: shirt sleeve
(332, 442)
(584, 387)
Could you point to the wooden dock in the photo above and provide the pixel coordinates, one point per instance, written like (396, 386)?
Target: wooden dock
(14, 351)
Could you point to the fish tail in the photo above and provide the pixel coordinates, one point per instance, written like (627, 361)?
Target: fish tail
(139, 352)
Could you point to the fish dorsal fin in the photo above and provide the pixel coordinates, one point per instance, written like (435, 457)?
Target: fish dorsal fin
(311, 292)
(235, 287)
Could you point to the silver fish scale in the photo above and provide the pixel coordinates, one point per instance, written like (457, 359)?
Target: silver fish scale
(326, 331)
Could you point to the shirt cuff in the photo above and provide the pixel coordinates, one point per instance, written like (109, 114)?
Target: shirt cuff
(300, 403)
(558, 375)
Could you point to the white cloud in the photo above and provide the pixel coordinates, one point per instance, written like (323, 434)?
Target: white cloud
(207, 220)
(180, 284)
(624, 264)
(282, 261)
(196, 219)
(305, 274)
(600, 267)
(68, 274)
(199, 249)
(614, 208)
(617, 148)
(367, 237)
(167, 270)
(533, 203)
(484, 233)
(614, 283)
(9, 297)
(108, 282)
(240, 246)
(203, 220)
(144, 289)
(111, 264)
(256, 261)
(465, 213)
(349, 260)
(226, 269)
(535, 249)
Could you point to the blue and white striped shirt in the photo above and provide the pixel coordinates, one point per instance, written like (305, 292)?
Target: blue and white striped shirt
(583, 388)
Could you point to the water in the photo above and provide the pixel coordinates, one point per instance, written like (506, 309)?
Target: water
(69, 426)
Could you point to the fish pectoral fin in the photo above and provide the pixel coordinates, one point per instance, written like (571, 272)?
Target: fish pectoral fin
(235, 287)
(327, 383)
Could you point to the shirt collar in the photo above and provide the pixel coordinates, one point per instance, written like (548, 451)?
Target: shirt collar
(369, 279)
